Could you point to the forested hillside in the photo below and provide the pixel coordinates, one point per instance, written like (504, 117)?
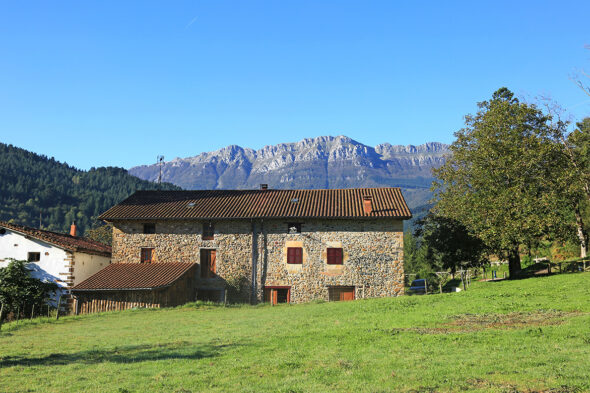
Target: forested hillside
(34, 187)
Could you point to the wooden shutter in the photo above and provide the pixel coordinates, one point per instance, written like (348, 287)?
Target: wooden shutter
(295, 255)
(334, 256)
(146, 255)
(212, 265)
(208, 263)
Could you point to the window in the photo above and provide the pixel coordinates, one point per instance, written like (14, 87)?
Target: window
(34, 257)
(147, 255)
(334, 256)
(149, 228)
(208, 262)
(294, 227)
(277, 295)
(208, 231)
(295, 255)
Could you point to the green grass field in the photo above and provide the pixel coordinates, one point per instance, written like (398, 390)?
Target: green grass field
(527, 335)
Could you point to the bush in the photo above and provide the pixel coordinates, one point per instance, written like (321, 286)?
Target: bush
(19, 292)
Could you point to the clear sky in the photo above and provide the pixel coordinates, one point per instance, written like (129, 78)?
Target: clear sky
(97, 83)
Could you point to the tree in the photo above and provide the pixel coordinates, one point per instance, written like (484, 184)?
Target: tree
(497, 182)
(450, 241)
(575, 174)
(103, 234)
(419, 262)
(580, 82)
(18, 289)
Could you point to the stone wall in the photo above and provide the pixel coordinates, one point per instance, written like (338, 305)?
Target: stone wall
(372, 260)
(181, 241)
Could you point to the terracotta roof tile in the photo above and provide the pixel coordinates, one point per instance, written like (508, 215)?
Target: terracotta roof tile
(62, 240)
(246, 204)
(121, 276)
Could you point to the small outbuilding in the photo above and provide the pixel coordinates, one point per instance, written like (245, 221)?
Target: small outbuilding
(66, 259)
(122, 286)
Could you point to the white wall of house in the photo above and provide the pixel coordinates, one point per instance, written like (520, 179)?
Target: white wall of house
(85, 265)
(52, 259)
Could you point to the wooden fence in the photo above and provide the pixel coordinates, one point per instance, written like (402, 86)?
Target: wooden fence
(100, 305)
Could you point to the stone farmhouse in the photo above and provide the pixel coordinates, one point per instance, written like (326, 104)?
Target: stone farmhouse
(58, 257)
(253, 245)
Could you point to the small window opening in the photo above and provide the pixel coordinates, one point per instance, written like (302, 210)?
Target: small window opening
(147, 255)
(334, 256)
(295, 255)
(208, 231)
(276, 295)
(294, 227)
(149, 228)
(34, 257)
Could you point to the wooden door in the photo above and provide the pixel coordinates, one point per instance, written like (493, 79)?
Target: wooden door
(346, 294)
(208, 262)
(339, 294)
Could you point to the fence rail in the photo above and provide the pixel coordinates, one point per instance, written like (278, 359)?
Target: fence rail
(98, 305)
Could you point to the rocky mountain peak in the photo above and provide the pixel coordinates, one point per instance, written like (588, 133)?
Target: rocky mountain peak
(320, 162)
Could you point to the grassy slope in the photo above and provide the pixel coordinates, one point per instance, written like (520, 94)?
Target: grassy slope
(531, 334)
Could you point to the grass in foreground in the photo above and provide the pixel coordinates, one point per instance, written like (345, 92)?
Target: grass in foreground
(527, 335)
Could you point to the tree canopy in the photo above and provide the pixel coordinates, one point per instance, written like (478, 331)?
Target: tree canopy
(498, 182)
(36, 188)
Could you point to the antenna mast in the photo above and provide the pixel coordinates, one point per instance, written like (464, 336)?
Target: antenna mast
(160, 161)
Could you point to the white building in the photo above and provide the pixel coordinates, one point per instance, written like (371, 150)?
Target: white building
(64, 259)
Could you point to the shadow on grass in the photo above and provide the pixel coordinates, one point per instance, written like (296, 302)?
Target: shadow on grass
(124, 354)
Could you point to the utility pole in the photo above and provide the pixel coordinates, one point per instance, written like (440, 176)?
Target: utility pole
(160, 161)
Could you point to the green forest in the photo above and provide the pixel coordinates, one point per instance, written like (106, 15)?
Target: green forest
(39, 191)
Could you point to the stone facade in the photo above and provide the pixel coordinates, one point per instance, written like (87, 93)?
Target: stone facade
(372, 254)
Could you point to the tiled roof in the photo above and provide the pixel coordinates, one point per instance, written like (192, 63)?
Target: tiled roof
(246, 204)
(61, 240)
(121, 276)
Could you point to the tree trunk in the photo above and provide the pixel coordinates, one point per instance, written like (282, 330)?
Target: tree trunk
(581, 236)
(514, 263)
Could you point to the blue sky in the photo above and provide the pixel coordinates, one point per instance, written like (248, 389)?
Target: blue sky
(117, 83)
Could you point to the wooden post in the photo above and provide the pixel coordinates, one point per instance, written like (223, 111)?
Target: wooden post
(58, 305)
(32, 311)
(225, 298)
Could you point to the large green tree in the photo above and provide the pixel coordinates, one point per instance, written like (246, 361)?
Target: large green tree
(451, 244)
(573, 180)
(498, 180)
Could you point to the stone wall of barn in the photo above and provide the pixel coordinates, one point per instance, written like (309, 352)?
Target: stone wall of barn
(182, 241)
(372, 260)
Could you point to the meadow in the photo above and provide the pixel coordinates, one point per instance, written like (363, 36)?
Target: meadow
(529, 335)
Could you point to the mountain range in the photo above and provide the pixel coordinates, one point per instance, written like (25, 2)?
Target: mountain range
(322, 162)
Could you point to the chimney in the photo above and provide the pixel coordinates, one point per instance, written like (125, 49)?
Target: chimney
(367, 204)
(73, 229)
(264, 186)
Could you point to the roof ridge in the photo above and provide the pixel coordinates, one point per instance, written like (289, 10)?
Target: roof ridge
(62, 240)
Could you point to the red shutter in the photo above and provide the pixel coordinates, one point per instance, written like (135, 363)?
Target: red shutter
(295, 255)
(334, 256)
(146, 255)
